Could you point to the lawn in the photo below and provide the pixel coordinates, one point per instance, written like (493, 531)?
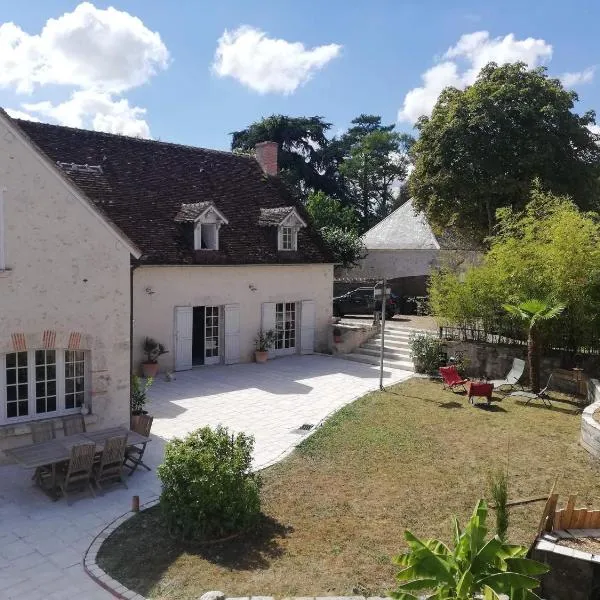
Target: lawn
(335, 510)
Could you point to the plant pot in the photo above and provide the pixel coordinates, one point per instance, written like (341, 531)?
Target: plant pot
(150, 369)
(337, 339)
(261, 357)
(137, 413)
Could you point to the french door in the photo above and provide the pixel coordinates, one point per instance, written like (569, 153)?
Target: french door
(285, 328)
(211, 336)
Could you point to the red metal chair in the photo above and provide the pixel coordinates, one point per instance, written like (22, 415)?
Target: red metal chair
(452, 378)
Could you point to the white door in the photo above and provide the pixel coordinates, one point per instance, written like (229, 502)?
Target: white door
(212, 342)
(307, 327)
(268, 320)
(184, 326)
(285, 328)
(232, 333)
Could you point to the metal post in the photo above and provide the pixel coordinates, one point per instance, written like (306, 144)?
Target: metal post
(383, 311)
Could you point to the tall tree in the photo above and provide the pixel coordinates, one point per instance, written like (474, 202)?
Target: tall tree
(304, 160)
(375, 160)
(483, 146)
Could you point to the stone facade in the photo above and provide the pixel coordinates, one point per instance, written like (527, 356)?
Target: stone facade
(66, 281)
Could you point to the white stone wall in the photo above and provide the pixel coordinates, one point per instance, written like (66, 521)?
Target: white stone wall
(67, 272)
(158, 290)
(590, 428)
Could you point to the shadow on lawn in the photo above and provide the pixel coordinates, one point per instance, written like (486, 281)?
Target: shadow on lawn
(252, 550)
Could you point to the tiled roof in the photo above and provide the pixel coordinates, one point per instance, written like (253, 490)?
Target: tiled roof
(188, 213)
(274, 216)
(143, 185)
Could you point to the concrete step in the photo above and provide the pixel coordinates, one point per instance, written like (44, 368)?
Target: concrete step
(392, 342)
(375, 350)
(405, 365)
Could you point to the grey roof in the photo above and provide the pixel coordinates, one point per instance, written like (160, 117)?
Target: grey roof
(190, 212)
(274, 216)
(406, 229)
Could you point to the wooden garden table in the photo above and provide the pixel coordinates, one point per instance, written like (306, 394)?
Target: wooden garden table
(57, 451)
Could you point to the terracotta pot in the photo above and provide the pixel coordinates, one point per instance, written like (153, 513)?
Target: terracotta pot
(150, 369)
(337, 339)
(261, 357)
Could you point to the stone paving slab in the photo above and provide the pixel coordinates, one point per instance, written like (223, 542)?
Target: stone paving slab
(42, 543)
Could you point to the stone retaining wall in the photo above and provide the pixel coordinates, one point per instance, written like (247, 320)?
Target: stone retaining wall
(590, 428)
(352, 337)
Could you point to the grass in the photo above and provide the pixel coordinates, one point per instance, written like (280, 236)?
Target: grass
(335, 511)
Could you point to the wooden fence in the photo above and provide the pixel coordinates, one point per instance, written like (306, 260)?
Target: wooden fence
(568, 517)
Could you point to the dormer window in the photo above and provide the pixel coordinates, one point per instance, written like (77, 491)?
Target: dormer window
(288, 223)
(207, 220)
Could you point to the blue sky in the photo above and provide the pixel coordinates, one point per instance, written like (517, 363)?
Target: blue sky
(148, 66)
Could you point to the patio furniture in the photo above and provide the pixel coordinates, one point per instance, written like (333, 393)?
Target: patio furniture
(42, 431)
(79, 471)
(57, 451)
(141, 424)
(110, 466)
(512, 378)
(480, 389)
(73, 424)
(452, 378)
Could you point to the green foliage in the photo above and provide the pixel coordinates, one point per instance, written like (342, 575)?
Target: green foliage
(139, 392)
(152, 349)
(346, 245)
(425, 351)
(326, 211)
(208, 490)
(265, 340)
(473, 566)
(499, 491)
(483, 146)
(534, 310)
(548, 250)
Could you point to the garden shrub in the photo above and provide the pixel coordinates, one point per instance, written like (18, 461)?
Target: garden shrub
(208, 490)
(425, 351)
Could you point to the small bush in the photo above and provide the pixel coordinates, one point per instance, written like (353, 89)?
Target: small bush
(425, 350)
(499, 491)
(208, 490)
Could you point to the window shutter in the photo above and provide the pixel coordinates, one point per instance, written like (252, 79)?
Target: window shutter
(268, 320)
(184, 321)
(232, 334)
(307, 327)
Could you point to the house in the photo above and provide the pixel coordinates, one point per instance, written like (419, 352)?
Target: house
(64, 295)
(404, 248)
(198, 249)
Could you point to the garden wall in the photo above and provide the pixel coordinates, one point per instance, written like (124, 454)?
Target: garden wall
(352, 336)
(590, 428)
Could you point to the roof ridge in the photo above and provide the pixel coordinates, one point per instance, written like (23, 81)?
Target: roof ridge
(133, 138)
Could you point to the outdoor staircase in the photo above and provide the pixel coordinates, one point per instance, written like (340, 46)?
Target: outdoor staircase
(396, 353)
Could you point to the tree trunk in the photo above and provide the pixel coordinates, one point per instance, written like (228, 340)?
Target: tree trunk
(533, 356)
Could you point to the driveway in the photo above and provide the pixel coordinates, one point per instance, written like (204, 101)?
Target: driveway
(42, 542)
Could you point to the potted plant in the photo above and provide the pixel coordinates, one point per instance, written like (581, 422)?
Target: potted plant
(337, 335)
(263, 343)
(152, 350)
(139, 394)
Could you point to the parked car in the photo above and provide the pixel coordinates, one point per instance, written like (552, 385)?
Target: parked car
(362, 301)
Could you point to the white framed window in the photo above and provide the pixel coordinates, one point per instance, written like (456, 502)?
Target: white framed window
(288, 238)
(285, 327)
(206, 236)
(42, 383)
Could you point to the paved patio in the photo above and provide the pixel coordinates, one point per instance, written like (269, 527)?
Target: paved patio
(42, 542)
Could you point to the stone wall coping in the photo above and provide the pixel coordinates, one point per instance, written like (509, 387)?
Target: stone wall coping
(548, 542)
(590, 428)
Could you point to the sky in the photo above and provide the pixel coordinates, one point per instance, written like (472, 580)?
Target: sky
(193, 71)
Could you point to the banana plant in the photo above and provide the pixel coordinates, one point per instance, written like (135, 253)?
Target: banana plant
(531, 312)
(473, 568)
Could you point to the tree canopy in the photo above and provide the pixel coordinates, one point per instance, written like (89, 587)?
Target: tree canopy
(483, 146)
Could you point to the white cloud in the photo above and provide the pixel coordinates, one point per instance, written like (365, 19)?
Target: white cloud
(95, 110)
(89, 48)
(97, 54)
(594, 129)
(474, 51)
(19, 114)
(267, 64)
(578, 77)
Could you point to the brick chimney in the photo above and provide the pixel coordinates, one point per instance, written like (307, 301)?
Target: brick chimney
(266, 155)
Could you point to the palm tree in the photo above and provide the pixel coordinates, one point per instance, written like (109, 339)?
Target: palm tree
(532, 311)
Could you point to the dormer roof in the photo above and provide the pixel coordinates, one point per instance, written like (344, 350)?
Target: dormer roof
(281, 217)
(200, 211)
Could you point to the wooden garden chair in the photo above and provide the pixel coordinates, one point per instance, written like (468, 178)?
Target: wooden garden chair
(79, 470)
(133, 456)
(42, 431)
(112, 458)
(73, 424)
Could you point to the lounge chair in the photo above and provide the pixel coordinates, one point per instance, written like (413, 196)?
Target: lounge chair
(452, 378)
(512, 378)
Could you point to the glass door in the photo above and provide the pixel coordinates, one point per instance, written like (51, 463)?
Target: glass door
(285, 328)
(211, 336)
